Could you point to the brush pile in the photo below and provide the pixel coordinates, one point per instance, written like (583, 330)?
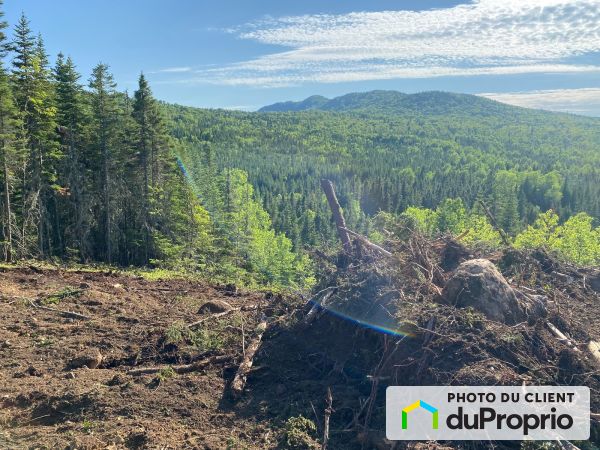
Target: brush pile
(437, 313)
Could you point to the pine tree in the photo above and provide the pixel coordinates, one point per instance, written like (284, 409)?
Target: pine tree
(34, 99)
(9, 125)
(105, 113)
(152, 146)
(72, 121)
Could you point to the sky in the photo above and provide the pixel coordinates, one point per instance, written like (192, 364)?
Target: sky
(241, 54)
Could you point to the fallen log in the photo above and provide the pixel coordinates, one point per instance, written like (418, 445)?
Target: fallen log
(336, 210)
(328, 411)
(369, 244)
(221, 314)
(594, 348)
(184, 368)
(239, 381)
(69, 314)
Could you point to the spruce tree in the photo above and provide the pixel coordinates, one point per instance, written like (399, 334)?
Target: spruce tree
(34, 99)
(72, 121)
(9, 126)
(105, 113)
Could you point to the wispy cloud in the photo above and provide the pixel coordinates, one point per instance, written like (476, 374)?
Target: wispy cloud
(174, 70)
(480, 37)
(581, 101)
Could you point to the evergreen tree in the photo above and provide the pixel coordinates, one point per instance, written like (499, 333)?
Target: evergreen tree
(146, 117)
(72, 121)
(104, 129)
(9, 146)
(34, 98)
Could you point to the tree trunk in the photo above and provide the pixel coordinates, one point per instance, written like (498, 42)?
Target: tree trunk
(336, 210)
(7, 210)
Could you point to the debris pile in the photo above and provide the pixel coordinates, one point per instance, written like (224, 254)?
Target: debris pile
(433, 312)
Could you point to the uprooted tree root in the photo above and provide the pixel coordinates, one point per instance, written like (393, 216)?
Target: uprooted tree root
(379, 321)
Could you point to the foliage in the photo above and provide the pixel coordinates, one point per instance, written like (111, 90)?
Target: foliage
(91, 175)
(387, 151)
(452, 217)
(299, 434)
(575, 240)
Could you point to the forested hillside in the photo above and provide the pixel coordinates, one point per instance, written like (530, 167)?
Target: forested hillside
(90, 174)
(388, 151)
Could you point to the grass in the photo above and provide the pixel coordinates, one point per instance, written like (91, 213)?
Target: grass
(211, 276)
(54, 299)
(165, 373)
(202, 340)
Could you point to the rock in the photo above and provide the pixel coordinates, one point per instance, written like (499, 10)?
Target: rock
(214, 306)
(90, 358)
(477, 283)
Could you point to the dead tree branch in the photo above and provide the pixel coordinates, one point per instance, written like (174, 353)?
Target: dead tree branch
(69, 314)
(185, 368)
(239, 381)
(499, 229)
(336, 210)
(369, 244)
(328, 411)
(221, 314)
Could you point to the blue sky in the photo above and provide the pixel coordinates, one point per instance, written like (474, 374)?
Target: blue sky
(246, 54)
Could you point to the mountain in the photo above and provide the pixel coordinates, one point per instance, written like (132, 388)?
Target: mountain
(312, 102)
(387, 151)
(394, 102)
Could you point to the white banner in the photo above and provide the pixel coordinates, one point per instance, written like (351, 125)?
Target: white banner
(480, 413)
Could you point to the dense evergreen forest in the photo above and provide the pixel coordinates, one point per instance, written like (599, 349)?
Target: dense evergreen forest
(92, 174)
(388, 151)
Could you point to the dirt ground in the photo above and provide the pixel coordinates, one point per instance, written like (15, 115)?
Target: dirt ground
(49, 402)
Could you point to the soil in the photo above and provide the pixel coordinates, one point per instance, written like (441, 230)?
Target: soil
(51, 398)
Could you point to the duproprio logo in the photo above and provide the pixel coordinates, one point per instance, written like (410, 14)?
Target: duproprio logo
(475, 413)
(425, 406)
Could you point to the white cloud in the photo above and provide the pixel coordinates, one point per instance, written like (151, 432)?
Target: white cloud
(584, 101)
(482, 37)
(174, 70)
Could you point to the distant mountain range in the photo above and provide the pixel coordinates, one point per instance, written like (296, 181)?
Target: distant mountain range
(394, 102)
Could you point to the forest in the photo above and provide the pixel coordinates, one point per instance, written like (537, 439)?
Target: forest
(181, 277)
(93, 174)
(392, 155)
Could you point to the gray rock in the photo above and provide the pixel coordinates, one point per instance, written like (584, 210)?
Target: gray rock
(477, 283)
(214, 306)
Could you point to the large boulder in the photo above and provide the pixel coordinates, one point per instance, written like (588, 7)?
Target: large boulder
(477, 283)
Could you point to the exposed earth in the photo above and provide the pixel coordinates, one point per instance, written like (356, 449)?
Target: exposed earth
(72, 341)
(51, 400)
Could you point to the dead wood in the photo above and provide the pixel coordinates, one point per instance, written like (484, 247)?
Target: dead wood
(328, 411)
(369, 244)
(561, 337)
(221, 314)
(336, 210)
(313, 313)
(239, 381)
(185, 368)
(498, 228)
(69, 314)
